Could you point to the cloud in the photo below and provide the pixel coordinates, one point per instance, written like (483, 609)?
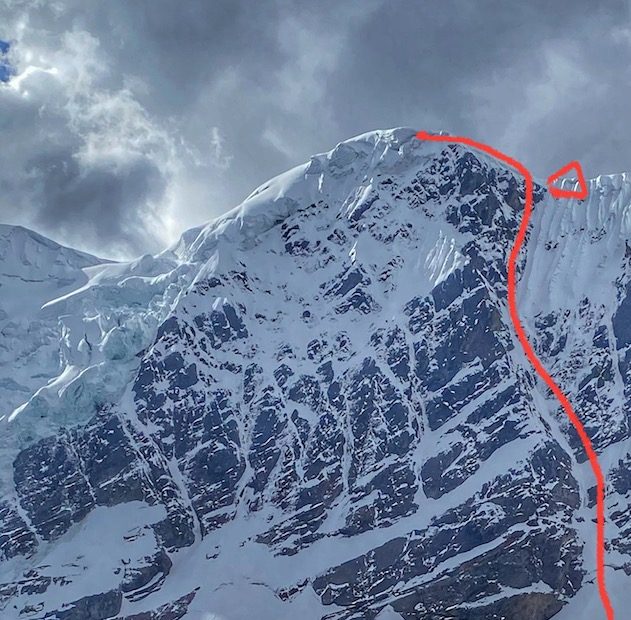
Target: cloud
(217, 145)
(129, 121)
(86, 162)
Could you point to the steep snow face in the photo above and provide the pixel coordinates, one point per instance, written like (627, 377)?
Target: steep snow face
(315, 407)
(587, 239)
(574, 295)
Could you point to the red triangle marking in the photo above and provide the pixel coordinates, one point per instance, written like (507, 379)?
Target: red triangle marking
(557, 192)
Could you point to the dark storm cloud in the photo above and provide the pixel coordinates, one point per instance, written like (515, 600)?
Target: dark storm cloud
(109, 204)
(156, 111)
(543, 80)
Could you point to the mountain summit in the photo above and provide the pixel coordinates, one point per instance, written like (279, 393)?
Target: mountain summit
(315, 407)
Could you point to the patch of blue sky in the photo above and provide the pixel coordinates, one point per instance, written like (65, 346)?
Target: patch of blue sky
(5, 68)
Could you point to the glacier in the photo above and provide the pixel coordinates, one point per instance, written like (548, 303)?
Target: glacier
(315, 406)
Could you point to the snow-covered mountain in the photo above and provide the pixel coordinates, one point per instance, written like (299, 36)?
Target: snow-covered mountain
(315, 406)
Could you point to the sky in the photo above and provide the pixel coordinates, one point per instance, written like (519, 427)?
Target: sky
(125, 123)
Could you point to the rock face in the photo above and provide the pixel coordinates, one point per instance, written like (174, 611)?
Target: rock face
(326, 414)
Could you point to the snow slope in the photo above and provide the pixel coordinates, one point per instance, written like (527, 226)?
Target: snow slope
(315, 406)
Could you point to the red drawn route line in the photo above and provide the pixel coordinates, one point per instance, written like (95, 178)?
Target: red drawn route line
(532, 356)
